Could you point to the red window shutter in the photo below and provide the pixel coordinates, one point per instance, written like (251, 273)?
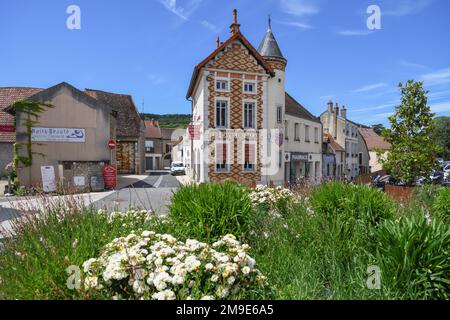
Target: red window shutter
(221, 152)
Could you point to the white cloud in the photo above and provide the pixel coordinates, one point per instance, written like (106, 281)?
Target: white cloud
(299, 7)
(399, 8)
(210, 26)
(181, 12)
(436, 78)
(156, 79)
(383, 115)
(443, 107)
(370, 87)
(408, 64)
(300, 25)
(436, 95)
(350, 33)
(380, 107)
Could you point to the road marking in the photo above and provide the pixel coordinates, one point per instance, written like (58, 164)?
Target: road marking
(158, 182)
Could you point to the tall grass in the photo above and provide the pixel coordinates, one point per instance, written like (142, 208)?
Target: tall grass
(36, 254)
(208, 211)
(415, 257)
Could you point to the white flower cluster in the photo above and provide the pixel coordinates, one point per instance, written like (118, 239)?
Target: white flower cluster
(158, 266)
(270, 197)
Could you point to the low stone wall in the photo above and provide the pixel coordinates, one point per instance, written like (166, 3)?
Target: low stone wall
(6, 156)
(89, 171)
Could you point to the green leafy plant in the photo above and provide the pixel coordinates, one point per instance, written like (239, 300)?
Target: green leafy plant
(32, 111)
(441, 205)
(209, 211)
(414, 256)
(413, 152)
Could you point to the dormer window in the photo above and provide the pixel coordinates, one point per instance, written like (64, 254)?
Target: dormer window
(222, 85)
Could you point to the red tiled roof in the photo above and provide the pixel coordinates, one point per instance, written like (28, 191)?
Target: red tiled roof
(333, 144)
(373, 140)
(152, 130)
(9, 95)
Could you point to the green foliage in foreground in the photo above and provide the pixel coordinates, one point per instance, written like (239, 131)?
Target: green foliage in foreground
(207, 212)
(319, 249)
(33, 265)
(414, 256)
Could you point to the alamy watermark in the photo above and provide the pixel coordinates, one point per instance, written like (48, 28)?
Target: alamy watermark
(373, 278)
(73, 22)
(374, 20)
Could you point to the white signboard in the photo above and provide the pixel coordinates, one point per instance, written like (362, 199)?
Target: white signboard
(48, 178)
(58, 134)
(79, 181)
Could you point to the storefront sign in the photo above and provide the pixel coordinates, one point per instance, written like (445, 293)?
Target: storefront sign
(58, 134)
(48, 178)
(110, 176)
(299, 156)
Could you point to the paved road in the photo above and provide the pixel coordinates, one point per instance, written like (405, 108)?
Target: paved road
(151, 192)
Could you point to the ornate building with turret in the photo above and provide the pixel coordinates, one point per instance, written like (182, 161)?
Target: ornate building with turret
(245, 127)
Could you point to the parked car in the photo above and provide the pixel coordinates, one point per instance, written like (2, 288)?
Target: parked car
(177, 167)
(446, 170)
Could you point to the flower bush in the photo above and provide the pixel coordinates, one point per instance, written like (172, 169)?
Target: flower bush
(158, 266)
(277, 198)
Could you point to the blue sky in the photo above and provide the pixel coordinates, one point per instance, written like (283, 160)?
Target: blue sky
(148, 48)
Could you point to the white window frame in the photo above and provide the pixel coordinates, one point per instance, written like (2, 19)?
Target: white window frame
(227, 80)
(227, 164)
(316, 134)
(286, 129)
(227, 112)
(307, 137)
(253, 82)
(279, 114)
(255, 112)
(297, 131)
(255, 157)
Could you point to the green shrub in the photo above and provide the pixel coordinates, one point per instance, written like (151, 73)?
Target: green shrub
(414, 256)
(352, 202)
(209, 211)
(424, 196)
(441, 205)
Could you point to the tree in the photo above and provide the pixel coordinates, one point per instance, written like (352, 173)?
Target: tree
(378, 128)
(441, 135)
(413, 152)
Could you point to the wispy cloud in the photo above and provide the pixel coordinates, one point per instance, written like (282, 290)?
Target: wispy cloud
(379, 107)
(156, 79)
(436, 95)
(299, 8)
(383, 115)
(182, 12)
(300, 25)
(370, 87)
(437, 77)
(408, 64)
(353, 33)
(443, 107)
(210, 26)
(399, 8)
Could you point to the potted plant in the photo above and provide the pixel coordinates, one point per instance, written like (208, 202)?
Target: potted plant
(413, 152)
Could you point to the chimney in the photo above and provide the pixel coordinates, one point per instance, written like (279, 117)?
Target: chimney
(217, 41)
(344, 112)
(330, 106)
(235, 25)
(335, 118)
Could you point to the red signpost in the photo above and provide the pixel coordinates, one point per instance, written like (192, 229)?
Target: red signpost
(112, 144)
(110, 176)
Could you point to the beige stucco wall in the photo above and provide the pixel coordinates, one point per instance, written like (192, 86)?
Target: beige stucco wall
(69, 112)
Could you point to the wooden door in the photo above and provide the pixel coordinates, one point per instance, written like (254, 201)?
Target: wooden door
(126, 158)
